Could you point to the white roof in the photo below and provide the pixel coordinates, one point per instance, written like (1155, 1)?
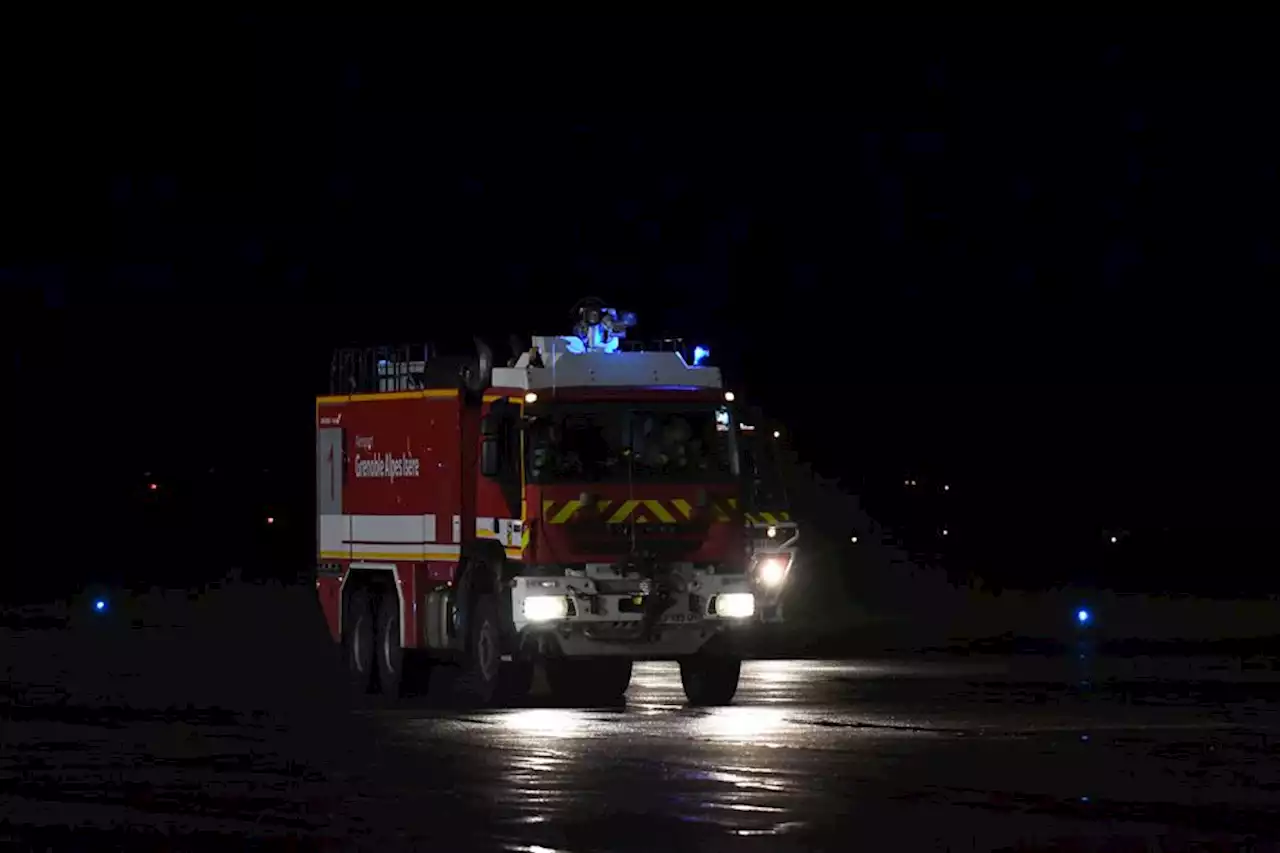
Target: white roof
(563, 369)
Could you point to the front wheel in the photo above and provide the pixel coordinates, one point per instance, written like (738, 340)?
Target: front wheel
(515, 681)
(590, 681)
(710, 679)
(477, 682)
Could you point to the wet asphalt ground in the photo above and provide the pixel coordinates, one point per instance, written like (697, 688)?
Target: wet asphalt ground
(216, 725)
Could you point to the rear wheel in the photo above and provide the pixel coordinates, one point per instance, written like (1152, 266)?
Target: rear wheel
(589, 680)
(358, 641)
(710, 679)
(390, 653)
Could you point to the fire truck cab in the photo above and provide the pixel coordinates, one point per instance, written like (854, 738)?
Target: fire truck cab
(772, 533)
(581, 508)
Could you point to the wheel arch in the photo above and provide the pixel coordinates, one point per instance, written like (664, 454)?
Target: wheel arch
(377, 578)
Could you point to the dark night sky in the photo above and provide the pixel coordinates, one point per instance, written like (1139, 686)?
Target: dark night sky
(1033, 260)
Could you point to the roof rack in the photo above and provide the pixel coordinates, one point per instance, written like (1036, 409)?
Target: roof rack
(386, 369)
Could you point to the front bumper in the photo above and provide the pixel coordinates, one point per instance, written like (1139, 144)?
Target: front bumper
(579, 616)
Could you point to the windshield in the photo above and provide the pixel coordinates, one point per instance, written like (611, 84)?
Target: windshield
(617, 442)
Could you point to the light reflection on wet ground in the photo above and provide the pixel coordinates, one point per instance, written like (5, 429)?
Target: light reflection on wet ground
(133, 747)
(929, 754)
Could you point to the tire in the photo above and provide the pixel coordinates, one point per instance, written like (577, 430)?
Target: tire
(389, 653)
(589, 681)
(710, 679)
(515, 681)
(358, 642)
(477, 681)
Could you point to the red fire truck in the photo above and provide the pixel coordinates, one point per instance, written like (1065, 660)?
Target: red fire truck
(579, 508)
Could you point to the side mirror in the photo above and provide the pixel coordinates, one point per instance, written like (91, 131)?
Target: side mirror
(490, 456)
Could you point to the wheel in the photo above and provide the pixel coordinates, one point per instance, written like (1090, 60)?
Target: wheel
(477, 682)
(358, 642)
(515, 680)
(710, 679)
(390, 653)
(590, 681)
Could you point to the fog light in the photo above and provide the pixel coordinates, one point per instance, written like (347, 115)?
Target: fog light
(544, 608)
(772, 571)
(735, 605)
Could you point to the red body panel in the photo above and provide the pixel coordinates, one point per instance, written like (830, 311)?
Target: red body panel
(400, 487)
(425, 430)
(407, 494)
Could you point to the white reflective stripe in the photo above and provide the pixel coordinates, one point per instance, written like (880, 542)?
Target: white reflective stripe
(508, 531)
(335, 533)
(457, 528)
(393, 528)
(413, 553)
(351, 532)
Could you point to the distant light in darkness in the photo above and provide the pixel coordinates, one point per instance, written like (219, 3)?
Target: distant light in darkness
(99, 605)
(1082, 616)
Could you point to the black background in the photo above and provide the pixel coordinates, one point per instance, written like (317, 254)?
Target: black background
(1032, 260)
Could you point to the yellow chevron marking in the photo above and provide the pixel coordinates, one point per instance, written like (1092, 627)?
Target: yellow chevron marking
(566, 512)
(768, 517)
(623, 511)
(733, 502)
(660, 511)
(670, 511)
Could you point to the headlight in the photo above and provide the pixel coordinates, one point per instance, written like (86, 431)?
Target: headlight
(772, 571)
(735, 605)
(544, 608)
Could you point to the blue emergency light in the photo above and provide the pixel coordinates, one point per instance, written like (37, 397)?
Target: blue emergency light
(100, 605)
(700, 354)
(599, 328)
